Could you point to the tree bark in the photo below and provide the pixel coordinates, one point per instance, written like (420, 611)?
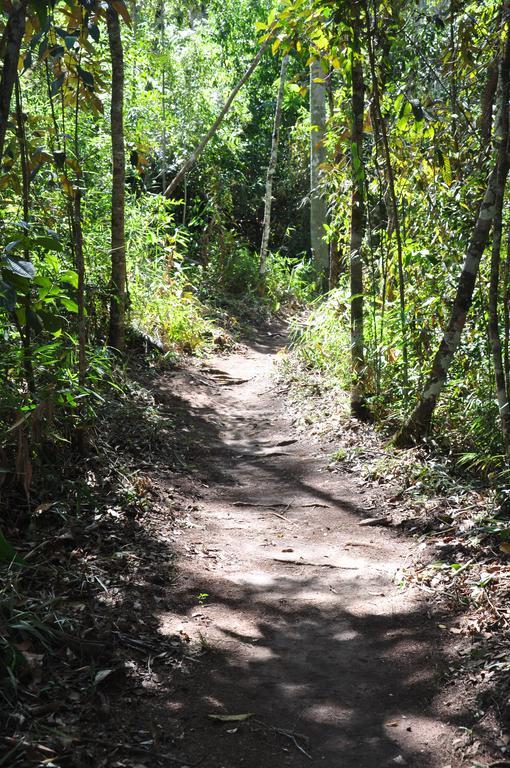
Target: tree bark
(10, 50)
(271, 168)
(393, 197)
(80, 269)
(318, 208)
(358, 407)
(494, 284)
(487, 104)
(420, 421)
(192, 159)
(335, 266)
(118, 238)
(24, 331)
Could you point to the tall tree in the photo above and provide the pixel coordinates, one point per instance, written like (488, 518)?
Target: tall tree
(358, 407)
(318, 208)
(10, 46)
(390, 177)
(197, 152)
(118, 236)
(420, 421)
(271, 168)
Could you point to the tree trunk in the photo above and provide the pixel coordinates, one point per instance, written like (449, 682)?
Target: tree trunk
(335, 266)
(24, 331)
(358, 408)
(419, 423)
(192, 159)
(393, 197)
(80, 269)
(494, 331)
(506, 316)
(118, 276)
(266, 230)
(318, 208)
(10, 51)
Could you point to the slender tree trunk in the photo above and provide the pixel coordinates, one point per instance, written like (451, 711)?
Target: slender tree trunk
(119, 276)
(335, 266)
(24, 331)
(10, 47)
(506, 316)
(192, 159)
(271, 168)
(494, 331)
(318, 208)
(80, 270)
(419, 423)
(393, 196)
(487, 104)
(358, 408)
(160, 17)
(494, 334)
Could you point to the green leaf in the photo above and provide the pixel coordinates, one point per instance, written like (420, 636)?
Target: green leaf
(8, 553)
(48, 243)
(18, 267)
(14, 244)
(27, 61)
(93, 31)
(87, 77)
(7, 296)
(41, 9)
(57, 84)
(69, 304)
(34, 321)
(71, 277)
(405, 114)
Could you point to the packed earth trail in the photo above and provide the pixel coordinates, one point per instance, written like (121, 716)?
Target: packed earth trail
(310, 653)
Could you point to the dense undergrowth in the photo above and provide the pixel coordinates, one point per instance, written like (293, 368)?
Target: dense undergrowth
(467, 411)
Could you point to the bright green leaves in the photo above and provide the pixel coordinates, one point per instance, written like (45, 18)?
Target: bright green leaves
(409, 111)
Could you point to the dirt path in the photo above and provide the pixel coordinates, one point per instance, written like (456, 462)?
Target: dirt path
(303, 624)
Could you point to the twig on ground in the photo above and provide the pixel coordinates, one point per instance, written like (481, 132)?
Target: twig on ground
(314, 565)
(288, 734)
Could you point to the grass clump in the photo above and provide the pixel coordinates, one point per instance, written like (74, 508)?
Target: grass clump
(320, 339)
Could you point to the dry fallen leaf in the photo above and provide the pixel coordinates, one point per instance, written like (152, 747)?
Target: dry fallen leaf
(373, 521)
(505, 547)
(231, 718)
(102, 675)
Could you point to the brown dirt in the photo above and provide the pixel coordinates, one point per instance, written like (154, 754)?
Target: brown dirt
(264, 596)
(303, 624)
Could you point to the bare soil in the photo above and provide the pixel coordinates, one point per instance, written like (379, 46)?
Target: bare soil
(249, 592)
(292, 604)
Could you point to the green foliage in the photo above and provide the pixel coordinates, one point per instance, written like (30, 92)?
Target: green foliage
(169, 311)
(232, 269)
(320, 338)
(290, 282)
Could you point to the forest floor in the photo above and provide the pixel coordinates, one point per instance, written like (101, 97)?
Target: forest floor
(246, 615)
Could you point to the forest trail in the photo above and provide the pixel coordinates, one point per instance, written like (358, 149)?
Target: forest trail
(303, 625)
